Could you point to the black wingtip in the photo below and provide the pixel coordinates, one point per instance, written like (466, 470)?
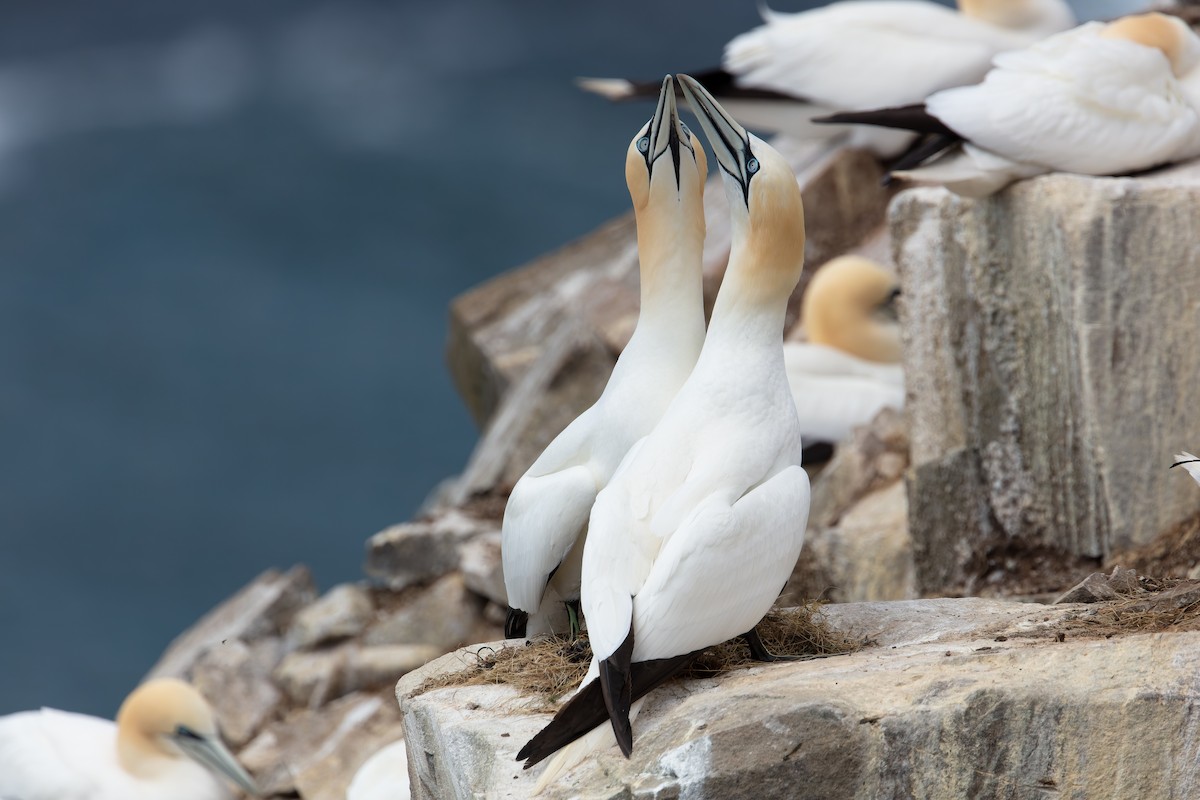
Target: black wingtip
(1185, 461)
(616, 681)
(909, 118)
(516, 623)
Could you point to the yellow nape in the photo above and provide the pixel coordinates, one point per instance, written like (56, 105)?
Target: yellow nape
(776, 223)
(842, 308)
(1168, 34)
(154, 711)
(1005, 13)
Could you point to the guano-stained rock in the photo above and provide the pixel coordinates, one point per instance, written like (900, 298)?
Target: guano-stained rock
(956, 698)
(1050, 374)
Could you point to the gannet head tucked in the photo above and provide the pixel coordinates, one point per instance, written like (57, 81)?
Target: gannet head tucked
(766, 210)
(850, 305)
(665, 169)
(166, 719)
(1048, 15)
(1169, 34)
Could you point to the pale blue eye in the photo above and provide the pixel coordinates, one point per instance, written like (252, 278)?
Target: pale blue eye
(752, 166)
(644, 143)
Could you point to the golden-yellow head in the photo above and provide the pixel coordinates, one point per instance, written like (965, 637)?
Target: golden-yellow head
(1047, 15)
(665, 169)
(1169, 34)
(766, 210)
(850, 305)
(168, 719)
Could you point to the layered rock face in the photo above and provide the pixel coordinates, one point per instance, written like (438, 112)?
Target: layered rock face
(1052, 364)
(952, 699)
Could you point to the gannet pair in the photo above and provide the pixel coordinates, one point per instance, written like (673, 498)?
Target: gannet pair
(1188, 462)
(860, 54)
(1097, 100)
(849, 368)
(545, 521)
(692, 539)
(164, 745)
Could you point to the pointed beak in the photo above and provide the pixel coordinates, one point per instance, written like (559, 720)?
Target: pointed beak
(211, 753)
(730, 141)
(666, 131)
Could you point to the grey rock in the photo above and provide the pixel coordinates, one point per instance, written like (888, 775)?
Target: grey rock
(416, 552)
(264, 607)
(868, 555)
(876, 455)
(444, 615)
(236, 679)
(482, 568)
(1099, 587)
(310, 678)
(369, 668)
(317, 752)
(958, 698)
(1047, 381)
(341, 612)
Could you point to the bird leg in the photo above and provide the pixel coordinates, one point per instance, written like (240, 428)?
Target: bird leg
(759, 652)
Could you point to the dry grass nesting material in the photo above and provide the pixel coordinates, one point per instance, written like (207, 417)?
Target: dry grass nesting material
(550, 667)
(1175, 607)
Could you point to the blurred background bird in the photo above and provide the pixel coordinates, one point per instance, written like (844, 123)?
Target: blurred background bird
(855, 55)
(849, 368)
(165, 743)
(1102, 99)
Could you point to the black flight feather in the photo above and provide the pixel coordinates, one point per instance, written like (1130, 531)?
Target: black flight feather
(616, 681)
(718, 82)
(909, 118)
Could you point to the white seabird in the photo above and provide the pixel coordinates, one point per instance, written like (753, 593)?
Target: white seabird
(693, 539)
(1102, 99)
(164, 745)
(1188, 462)
(860, 54)
(545, 521)
(849, 368)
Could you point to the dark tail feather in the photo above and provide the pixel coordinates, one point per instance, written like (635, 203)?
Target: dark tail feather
(587, 709)
(909, 118)
(922, 151)
(717, 81)
(515, 623)
(616, 679)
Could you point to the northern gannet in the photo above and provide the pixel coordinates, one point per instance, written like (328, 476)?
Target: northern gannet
(692, 539)
(545, 521)
(860, 54)
(1188, 462)
(383, 776)
(1102, 99)
(849, 368)
(164, 745)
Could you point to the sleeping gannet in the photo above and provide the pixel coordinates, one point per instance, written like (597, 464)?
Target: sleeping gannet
(1188, 462)
(691, 540)
(545, 522)
(1097, 100)
(164, 745)
(849, 368)
(858, 55)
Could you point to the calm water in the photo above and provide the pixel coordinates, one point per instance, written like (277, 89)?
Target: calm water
(228, 235)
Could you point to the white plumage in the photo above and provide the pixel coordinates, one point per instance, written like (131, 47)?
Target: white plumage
(546, 517)
(696, 534)
(383, 776)
(1097, 100)
(849, 369)
(164, 733)
(861, 54)
(1188, 462)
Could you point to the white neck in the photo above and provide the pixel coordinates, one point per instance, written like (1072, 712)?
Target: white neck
(672, 302)
(745, 319)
